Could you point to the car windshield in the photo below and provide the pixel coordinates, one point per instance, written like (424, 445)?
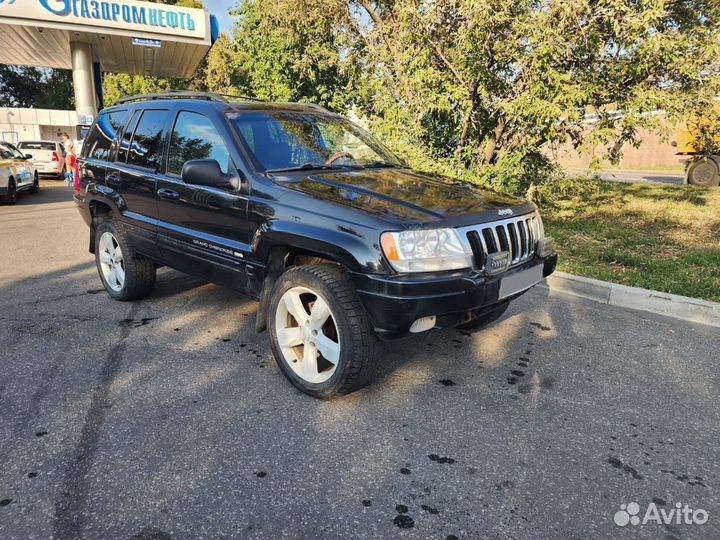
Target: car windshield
(10, 152)
(27, 145)
(287, 140)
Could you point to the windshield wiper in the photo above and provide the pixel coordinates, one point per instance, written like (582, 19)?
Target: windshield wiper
(306, 167)
(385, 164)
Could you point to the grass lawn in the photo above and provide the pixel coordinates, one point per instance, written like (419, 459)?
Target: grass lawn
(661, 237)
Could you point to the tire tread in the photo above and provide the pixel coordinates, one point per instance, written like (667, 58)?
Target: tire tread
(363, 342)
(140, 274)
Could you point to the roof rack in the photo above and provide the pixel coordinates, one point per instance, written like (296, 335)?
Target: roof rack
(185, 94)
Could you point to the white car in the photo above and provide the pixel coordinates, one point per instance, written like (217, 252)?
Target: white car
(48, 156)
(17, 173)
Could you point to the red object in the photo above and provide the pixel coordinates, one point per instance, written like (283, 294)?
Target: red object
(55, 156)
(73, 161)
(76, 177)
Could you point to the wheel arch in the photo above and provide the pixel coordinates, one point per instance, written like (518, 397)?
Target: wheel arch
(99, 212)
(278, 258)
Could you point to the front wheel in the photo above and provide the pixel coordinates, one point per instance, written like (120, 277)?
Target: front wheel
(36, 184)
(124, 274)
(320, 335)
(11, 197)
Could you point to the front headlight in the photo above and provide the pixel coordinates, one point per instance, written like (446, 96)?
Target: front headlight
(425, 250)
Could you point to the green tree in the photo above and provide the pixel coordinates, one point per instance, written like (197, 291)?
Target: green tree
(22, 86)
(472, 85)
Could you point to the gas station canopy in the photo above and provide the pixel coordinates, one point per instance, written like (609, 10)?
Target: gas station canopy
(94, 36)
(126, 36)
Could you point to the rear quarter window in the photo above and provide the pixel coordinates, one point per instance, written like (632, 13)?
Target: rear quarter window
(99, 141)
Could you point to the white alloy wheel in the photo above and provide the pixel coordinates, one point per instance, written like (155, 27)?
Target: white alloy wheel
(112, 263)
(307, 334)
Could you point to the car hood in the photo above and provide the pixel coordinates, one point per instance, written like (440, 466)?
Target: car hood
(402, 195)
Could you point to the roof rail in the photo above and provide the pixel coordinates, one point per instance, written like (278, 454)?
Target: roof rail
(185, 94)
(173, 94)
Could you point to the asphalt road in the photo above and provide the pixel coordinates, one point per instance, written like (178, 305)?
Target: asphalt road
(635, 176)
(168, 419)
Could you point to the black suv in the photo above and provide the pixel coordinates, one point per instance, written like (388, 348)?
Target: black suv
(309, 214)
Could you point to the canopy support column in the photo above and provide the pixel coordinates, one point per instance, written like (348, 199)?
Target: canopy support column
(83, 78)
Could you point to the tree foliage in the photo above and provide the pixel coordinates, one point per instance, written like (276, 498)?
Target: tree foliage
(22, 86)
(472, 85)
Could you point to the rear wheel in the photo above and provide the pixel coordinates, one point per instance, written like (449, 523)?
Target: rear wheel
(36, 184)
(320, 335)
(704, 173)
(124, 274)
(485, 319)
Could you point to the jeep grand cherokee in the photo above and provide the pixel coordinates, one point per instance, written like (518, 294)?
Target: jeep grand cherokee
(290, 204)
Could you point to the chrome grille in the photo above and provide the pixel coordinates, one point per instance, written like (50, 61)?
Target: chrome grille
(518, 235)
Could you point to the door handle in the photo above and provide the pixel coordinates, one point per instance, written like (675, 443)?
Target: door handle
(113, 179)
(168, 194)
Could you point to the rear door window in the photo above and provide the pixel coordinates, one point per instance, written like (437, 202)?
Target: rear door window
(124, 145)
(147, 139)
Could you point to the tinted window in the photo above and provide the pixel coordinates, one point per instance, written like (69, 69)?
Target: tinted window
(125, 141)
(195, 137)
(145, 146)
(103, 134)
(285, 139)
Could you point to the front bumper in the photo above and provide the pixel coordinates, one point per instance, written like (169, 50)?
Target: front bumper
(394, 302)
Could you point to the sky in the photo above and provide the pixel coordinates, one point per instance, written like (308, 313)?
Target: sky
(220, 9)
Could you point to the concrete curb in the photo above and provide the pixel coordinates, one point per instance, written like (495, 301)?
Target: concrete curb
(613, 294)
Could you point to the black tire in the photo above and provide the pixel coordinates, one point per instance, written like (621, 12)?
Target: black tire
(36, 184)
(11, 196)
(357, 339)
(703, 173)
(139, 272)
(485, 319)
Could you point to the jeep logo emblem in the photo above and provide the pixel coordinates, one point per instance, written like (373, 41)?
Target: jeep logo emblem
(505, 212)
(497, 263)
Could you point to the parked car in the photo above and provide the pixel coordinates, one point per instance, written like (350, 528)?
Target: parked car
(48, 156)
(16, 173)
(297, 207)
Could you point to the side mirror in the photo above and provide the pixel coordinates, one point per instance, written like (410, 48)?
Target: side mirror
(28, 156)
(205, 172)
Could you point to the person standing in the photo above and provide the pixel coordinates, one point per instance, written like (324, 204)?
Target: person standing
(70, 158)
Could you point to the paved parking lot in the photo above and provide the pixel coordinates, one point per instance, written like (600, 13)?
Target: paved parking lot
(168, 418)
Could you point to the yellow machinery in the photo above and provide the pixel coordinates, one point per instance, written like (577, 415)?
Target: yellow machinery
(702, 169)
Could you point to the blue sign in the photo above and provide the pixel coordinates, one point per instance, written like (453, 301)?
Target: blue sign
(101, 10)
